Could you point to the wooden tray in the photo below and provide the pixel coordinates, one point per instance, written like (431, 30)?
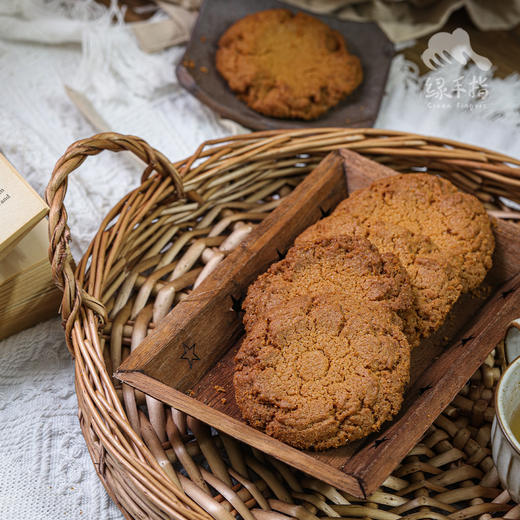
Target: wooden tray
(365, 40)
(192, 349)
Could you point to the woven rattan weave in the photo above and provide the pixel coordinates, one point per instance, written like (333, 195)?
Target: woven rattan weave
(164, 237)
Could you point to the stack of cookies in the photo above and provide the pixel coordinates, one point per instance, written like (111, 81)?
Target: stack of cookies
(329, 329)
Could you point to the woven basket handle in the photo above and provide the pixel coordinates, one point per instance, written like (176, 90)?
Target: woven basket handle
(62, 263)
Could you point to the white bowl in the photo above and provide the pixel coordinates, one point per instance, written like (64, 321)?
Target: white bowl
(505, 446)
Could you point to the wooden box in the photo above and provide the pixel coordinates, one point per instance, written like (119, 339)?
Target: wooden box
(21, 208)
(187, 362)
(28, 294)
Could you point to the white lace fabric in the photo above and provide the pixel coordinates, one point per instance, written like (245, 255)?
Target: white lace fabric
(46, 472)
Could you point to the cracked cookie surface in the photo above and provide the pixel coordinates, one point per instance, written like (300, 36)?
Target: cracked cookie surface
(456, 222)
(435, 282)
(287, 65)
(322, 370)
(346, 265)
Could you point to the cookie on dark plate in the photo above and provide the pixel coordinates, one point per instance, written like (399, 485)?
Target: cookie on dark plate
(287, 65)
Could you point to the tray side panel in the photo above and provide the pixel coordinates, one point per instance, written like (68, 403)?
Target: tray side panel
(237, 429)
(436, 388)
(199, 329)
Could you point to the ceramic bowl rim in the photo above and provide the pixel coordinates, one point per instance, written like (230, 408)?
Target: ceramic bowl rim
(504, 426)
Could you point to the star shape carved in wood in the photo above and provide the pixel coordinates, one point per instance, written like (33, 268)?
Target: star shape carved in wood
(189, 354)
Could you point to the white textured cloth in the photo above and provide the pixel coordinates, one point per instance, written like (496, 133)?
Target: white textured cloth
(405, 19)
(46, 472)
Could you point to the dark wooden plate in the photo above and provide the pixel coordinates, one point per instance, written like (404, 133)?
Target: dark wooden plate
(365, 40)
(192, 348)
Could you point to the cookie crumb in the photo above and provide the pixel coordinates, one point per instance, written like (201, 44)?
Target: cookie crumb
(482, 292)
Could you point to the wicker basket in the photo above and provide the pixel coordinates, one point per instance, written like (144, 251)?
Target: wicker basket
(150, 249)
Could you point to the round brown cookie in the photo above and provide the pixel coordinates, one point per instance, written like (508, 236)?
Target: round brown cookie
(344, 265)
(425, 204)
(287, 65)
(322, 371)
(435, 282)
